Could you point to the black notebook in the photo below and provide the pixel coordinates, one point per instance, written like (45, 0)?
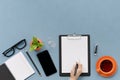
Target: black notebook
(5, 74)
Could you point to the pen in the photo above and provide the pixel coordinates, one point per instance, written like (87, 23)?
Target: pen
(33, 63)
(76, 67)
(96, 50)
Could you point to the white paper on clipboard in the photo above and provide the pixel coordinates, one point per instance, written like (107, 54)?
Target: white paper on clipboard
(74, 49)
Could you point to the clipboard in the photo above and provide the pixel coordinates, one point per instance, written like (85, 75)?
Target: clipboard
(74, 48)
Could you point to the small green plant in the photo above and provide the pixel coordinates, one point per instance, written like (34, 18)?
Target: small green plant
(35, 43)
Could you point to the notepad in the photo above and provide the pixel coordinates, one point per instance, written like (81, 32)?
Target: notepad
(74, 49)
(19, 67)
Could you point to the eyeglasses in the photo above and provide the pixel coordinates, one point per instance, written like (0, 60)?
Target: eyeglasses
(20, 45)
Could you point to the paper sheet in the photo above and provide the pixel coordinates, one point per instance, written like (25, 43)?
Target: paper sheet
(74, 50)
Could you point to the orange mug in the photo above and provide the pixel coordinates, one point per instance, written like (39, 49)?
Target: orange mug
(106, 66)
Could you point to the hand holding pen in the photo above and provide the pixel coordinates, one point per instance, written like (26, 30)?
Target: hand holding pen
(76, 71)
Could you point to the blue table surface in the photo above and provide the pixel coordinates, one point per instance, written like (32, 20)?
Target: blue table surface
(47, 19)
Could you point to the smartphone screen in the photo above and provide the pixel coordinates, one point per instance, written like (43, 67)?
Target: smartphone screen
(46, 63)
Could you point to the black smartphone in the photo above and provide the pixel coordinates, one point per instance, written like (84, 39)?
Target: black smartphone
(46, 63)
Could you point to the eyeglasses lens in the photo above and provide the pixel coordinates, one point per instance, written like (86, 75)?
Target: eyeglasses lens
(9, 52)
(21, 44)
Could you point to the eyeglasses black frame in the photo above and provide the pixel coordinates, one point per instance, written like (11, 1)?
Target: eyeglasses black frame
(13, 48)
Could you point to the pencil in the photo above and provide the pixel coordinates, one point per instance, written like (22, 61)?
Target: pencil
(33, 63)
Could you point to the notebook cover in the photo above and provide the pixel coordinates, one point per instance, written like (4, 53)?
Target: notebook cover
(5, 74)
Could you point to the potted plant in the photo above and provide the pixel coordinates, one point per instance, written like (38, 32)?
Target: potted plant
(36, 44)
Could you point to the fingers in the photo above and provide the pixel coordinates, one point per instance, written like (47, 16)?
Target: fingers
(72, 71)
(79, 70)
(80, 66)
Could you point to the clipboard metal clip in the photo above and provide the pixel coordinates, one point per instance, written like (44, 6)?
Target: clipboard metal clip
(74, 36)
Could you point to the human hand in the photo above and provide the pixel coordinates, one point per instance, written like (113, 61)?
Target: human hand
(78, 73)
